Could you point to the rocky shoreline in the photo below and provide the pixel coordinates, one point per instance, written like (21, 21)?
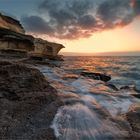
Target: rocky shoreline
(29, 101)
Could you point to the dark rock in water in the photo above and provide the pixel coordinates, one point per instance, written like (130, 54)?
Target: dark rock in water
(134, 88)
(27, 103)
(125, 88)
(112, 86)
(97, 76)
(136, 95)
(137, 89)
(133, 117)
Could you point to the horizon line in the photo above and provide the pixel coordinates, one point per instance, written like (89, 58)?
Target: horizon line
(122, 53)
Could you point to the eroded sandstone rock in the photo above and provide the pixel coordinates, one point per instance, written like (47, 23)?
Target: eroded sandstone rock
(7, 22)
(46, 49)
(15, 41)
(13, 37)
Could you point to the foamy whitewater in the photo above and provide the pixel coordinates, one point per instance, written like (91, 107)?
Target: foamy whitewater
(92, 109)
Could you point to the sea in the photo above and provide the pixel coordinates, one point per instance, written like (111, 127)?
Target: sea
(124, 70)
(92, 110)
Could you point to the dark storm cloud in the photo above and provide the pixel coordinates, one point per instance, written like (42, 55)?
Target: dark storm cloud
(137, 7)
(87, 21)
(115, 12)
(72, 19)
(36, 24)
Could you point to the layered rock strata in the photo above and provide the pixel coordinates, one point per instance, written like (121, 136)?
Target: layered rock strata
(13, 38)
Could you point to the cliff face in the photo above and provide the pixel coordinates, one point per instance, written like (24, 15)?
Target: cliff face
(11, 24)
(46, 48)
(15, 44)
(13, 37)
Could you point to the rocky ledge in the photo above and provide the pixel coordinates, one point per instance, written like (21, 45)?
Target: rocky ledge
(13, 37)
(27, 103)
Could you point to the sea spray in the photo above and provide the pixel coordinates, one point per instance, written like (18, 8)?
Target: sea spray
(92, 109)
(79, 122)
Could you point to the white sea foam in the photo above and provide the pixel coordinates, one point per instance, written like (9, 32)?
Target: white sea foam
(80, 119)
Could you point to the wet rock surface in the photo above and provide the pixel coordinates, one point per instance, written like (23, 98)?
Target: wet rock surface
(112, 87)
(27, 103)
(133, 117)
(96, 76)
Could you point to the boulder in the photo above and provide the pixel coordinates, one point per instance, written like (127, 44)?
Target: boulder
(28, 103)
(96, 76)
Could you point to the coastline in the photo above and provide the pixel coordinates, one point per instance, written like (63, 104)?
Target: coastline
(40, 100)
(34, 108)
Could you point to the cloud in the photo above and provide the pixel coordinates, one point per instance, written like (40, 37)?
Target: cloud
(114, 13)
(36, 24)
(136, 7)
(73, 19)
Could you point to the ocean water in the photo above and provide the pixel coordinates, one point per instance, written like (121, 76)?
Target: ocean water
(124, 71)
(92, 110)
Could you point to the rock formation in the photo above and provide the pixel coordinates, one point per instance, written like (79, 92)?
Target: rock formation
(27, 103)
(45, 48)
(7, 22)
(14, 41)
(97, 76)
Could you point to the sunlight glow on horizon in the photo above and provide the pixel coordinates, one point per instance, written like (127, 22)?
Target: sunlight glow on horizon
(116, 40)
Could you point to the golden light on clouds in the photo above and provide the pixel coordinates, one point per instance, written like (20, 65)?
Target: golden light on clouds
(120, 39)
(116, 40)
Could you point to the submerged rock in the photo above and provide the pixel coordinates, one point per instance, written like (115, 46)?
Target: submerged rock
(112, 86)
(136, 95)
(125, 88)
(96, 76)
(27, 103)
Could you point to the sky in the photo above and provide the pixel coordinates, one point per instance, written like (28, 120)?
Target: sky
(83, 26)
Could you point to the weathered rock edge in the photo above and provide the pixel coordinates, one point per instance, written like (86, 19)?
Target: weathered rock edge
(28, 103)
